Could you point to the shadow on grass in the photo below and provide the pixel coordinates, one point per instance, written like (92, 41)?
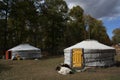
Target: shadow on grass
(50, 57)
(4, 67)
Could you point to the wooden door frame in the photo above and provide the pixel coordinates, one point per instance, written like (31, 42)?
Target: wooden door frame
(83, 62)
(8, 55)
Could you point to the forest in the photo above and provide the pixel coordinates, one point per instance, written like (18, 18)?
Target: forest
(50, 25)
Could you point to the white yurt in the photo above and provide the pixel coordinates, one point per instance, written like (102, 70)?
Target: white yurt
(25, 51)
(89, 53)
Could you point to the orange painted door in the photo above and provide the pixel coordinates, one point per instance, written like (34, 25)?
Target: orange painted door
(8, 55)
(77, 58)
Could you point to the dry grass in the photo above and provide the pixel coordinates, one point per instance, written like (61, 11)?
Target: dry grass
(44, 69)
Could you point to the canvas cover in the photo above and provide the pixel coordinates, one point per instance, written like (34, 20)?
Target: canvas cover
(23, 47)
(89, 44)
(95, 53)
(26, 51)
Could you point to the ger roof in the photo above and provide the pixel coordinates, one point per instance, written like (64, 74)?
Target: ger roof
(23, 47)
(89, 44)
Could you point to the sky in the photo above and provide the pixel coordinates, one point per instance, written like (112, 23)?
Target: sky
(106, 10)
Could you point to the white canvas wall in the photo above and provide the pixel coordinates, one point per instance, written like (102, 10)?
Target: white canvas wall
(67, 57)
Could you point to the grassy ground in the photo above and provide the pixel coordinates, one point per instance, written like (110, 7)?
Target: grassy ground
(44, 69)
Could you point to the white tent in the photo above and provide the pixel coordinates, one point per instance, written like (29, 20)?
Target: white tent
(25, 51)
(94, 54)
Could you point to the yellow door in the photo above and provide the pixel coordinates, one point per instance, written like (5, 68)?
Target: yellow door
(77, 58)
